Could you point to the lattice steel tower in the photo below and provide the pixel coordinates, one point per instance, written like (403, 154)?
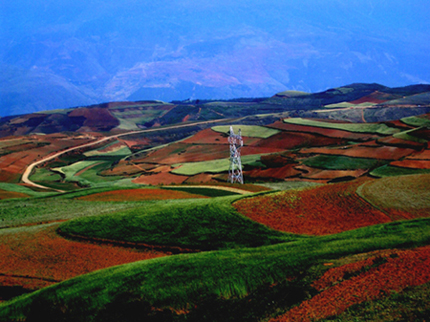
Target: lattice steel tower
(235, 170)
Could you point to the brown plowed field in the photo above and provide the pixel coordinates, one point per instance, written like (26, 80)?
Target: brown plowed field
(327, 175)
(37, 256)
(423, 155)
(387, 272)
(358, 151)
(160, 178)
(289, 140)
(400, 143)
(413, 164)
(207, 136)
(280, 173)
(182, 152)
(322, 131)
(4, 194)
(328, 209)
(401, 197)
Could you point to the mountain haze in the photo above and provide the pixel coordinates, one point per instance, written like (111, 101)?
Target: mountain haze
(58, 55)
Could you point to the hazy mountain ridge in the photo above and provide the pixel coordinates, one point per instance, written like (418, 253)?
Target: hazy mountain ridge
(56, 56)
(355, 102)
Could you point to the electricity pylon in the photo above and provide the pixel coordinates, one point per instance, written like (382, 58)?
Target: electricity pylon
(235, 170)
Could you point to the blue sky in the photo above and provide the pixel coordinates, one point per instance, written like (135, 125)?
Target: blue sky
(58, 54)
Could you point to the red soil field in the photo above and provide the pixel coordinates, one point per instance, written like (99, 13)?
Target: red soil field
(413, 164)
(323, 131)
(289, 140)
(207, 136)
(11, 194)
(423, 155)
(138, 194)
(323, 210)
(359, 151)
(36, 257)
(127, 168)
(400, 143)
(391, 274)
(160, 178)
(280, 173)
(96, 117)
(375, 97)
(182, 152)
(327, 175)
(201, 178)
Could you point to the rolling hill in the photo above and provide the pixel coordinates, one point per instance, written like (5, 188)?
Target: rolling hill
(126, 213)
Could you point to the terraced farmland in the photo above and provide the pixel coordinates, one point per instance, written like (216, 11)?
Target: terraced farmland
(333, 221)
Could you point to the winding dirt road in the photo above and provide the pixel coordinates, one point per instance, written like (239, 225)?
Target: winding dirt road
(29, 169)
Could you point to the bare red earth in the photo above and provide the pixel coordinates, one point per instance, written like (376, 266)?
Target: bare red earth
(324, 210)
(323, 131)
(403, 269)
(36, 257)
(11, 194)
(160, 178)
(359, 151)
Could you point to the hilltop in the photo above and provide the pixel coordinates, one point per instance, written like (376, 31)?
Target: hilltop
(355, 103)
(122, 211)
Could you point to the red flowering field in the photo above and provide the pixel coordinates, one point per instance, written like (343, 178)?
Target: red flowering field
(138, 194)
(366, 280)
(323, 210)
(36, 256)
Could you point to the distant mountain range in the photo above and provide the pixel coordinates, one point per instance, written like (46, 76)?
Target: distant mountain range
(59, 55)
(357, 102)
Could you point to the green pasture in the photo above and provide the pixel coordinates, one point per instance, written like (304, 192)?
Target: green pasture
(90, 176)
(208, 192)
(350, 127)
(201, 224)
(416, 121)
(17, 188)
(120, 151)
(45, 175)
(339, 162)
(215, 166)
(348, 105)
(210, 286)
(409, 136)
(253, 131)
(7, 143)
(391, 171)
(129, 120)
(293, 93)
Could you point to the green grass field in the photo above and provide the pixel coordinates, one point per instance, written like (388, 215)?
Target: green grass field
(198, 281)
(391, 171)
(350, 127)
(216, 166)
(206, 224)
(338, 162)
(253, 131)
(208, 192)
